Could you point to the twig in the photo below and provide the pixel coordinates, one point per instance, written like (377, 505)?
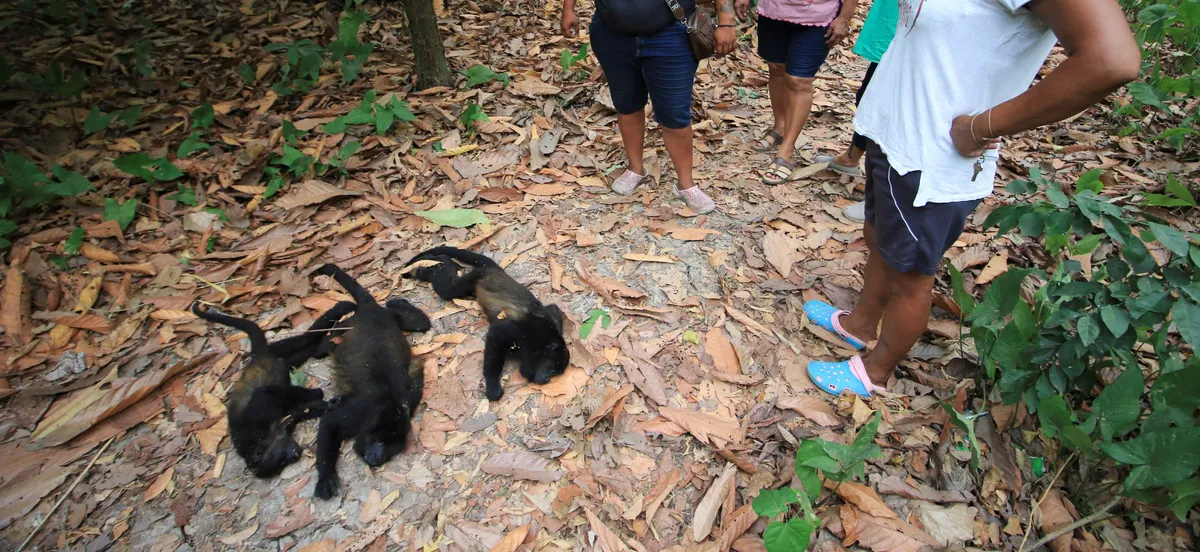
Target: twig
(63, 498)
(1037, 505)
(1099, 515)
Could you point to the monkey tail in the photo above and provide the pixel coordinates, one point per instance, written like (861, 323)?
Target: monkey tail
(416, 384)
(359, 293)
(258, 339)
(469, 257)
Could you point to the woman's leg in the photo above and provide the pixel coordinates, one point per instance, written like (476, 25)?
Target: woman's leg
(679, 148)
(806, 52)
(777, 87)
(633, 136)
(669, 70)
(773, 48)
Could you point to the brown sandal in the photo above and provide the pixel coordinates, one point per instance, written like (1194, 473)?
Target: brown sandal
(770, 141)
(779, 172)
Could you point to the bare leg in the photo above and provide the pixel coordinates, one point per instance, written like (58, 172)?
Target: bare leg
(679, 147)
(633, 136)
(850, 157)
(863, 321)
(780, 98)
(800, 94)
(904, 320)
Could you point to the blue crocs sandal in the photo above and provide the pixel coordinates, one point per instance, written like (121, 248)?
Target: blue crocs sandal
(838, 377)
(826, 316)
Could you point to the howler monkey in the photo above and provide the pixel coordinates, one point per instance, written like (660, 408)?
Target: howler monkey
(263, 406)
(378, 385)
(517, 320)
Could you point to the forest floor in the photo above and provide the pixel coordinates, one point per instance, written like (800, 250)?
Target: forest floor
(112, 422)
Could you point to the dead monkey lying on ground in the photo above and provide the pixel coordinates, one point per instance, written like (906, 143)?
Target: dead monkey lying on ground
(263, 406)
(517, 320)
(378, 385)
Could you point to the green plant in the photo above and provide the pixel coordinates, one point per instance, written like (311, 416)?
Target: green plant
(149, 168)
(23, 184)
(471, 114)
(594, 315)
(368, 112)
(482, 74)
(347, 50)
(122, 212)
(569, 59)
(56, 82)
(97, 120)
(184, 194)
(74, 241)
(1169, 34)
(814, 458)
(1071, 345)
(193, 143)
(302, 66)
(248, 73)
(338, 160)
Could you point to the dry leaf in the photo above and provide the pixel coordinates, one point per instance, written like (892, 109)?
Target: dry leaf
(647, 378)
(240, 536)
(812, 408)
(751, 323)
(862, 497)
(548, 189)
(739, 523)
(607, 287)
(706, 511)
(641, 257)
(607, 406)
(894, 485)
(176, 316)
(97, 253)
(370, 508)
(513, 540)
(1054, 516)
(995, 267)
(972, 256)
(93, 322)
(14, 307)
(159, 485)
(565, 385)
(608, 540)
(725, 358)
(891, 535)
(92, 405)
(534, 87)
(299, 517)
(948, 524)
(691, 234)
(521, 465)
(709, 429)
(312, 192)
(780, 251)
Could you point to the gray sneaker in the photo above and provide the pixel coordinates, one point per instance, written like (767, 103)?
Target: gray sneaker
(851, 171)
(856, 212)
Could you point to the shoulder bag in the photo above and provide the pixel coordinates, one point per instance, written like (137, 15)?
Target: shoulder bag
(701, 29)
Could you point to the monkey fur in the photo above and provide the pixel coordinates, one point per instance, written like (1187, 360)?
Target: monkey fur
(518, 322)
(378, 385)
(263, 406)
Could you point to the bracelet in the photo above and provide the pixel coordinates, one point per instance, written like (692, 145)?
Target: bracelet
(719, 25)
(991, 132)
(972, 125)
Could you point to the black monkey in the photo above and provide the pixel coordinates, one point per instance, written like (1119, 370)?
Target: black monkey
(517, 320)
(263, 406)
(378, 385)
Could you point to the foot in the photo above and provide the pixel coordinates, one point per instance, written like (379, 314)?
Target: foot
(697, 200)
(856, 212)
(768, 142)
(828, 317)
(837, 164)
(779, 172)
(327, 487)
(839, 377)
(628, 182)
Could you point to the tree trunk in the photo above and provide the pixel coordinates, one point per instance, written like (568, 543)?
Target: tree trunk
(429, 56)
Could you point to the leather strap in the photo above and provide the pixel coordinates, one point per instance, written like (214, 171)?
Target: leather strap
(678, 11)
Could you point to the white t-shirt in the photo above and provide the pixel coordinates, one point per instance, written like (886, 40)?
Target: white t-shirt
(949, 58)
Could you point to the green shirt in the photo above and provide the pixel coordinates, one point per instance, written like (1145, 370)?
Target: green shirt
(878, 30)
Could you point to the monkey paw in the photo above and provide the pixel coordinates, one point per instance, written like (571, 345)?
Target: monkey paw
(327, 487)
(494, 393)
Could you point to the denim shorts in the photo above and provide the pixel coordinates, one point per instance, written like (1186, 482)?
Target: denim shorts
(800, 47)
(910, 239)
(659, 66)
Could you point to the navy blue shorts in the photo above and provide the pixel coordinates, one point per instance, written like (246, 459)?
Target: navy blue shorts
(659, 66)
(910, 239)
(800, 47)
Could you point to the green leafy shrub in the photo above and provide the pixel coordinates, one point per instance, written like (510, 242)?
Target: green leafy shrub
(347, 50)
(1071, 344)
(383, 116)
(814, 457)
(1169, 32)
(482, 74)
(25, 185)
(301, 68)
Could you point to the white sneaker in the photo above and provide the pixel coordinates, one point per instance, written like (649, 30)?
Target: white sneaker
(856, 212)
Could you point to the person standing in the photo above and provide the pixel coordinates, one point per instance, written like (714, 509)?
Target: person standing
(645, 53)
(955, 80)
(794, 38)
(873, 40)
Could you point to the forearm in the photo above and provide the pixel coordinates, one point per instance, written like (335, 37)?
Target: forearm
(848, 8)
(725, 14)
(569, 6)
(1078, 83)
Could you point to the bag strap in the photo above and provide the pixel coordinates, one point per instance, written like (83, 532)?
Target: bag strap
(678, 11)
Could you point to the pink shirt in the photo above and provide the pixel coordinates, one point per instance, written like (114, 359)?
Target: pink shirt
(804, 12)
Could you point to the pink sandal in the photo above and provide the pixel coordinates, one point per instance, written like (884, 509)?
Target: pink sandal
(697, 200)
(628, 182)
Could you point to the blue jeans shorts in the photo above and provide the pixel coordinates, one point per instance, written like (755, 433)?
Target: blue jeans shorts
(659, 66)
(909, 239)
(801, 48)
